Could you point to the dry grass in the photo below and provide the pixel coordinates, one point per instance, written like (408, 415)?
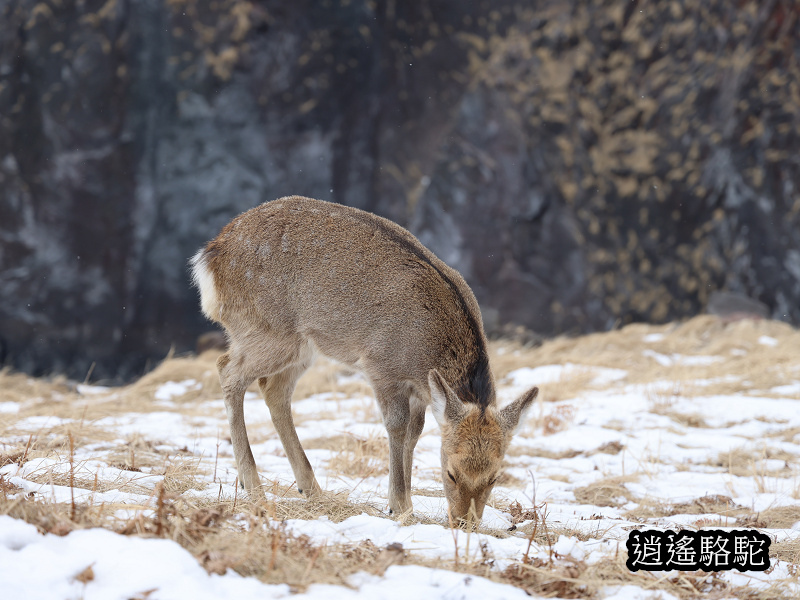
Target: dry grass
(720, 505)
(329, 376)
(254, 542)
(135, 454)
(201, 369)
(557, 419)
(353, 456)
(232, 533)
(789, 551)
(515, 450)
(780, 517)
(743, 357)
(609, 491)
(577, 579)
(249, 539)
(751, 462)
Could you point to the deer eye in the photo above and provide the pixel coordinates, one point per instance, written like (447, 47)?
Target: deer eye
(494, 480)
(450, 475)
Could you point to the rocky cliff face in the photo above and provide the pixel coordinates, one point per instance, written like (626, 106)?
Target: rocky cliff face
(582, 163)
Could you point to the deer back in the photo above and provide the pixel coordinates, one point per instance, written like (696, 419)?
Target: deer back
(364, 290)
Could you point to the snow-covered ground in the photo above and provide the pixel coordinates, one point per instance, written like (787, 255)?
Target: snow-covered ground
(595, 461)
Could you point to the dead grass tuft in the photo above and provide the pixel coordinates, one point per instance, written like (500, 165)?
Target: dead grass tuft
(6, 487)
(181, 474)
(358, 457)
(789, 551)
(610, 491)
(787, 435)
(527, 451)
(520, 514)
(507, 480)
(135, 454)
(558, 419)
(614, 447)
(569, 385)
(10, 459)
(693, 419)
(751, 462)
(780, 517)
(714, 504)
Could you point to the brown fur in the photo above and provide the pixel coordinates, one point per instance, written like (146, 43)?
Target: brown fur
(295, 277)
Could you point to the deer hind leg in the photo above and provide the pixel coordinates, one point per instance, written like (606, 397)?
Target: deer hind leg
(277, 390)
(416, 422)
(234, 382)
(394, 403)
(264, 355)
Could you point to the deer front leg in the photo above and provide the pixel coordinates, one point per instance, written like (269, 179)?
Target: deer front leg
(234, 387)
(416, 423)
(395, 417)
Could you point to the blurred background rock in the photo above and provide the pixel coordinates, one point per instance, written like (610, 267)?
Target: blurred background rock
(584, 163)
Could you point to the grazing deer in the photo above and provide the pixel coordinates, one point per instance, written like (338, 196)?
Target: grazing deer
(296, 277)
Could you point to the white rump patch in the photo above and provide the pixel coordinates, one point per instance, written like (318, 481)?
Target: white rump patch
(204, 281)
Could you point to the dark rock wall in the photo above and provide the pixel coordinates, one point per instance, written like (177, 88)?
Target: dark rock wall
(582, 162)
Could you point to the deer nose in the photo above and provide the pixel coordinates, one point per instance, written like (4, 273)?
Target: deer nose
(468, 524)
(468, 518)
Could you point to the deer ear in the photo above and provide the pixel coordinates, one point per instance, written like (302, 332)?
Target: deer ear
(514, 414)
(446, 406)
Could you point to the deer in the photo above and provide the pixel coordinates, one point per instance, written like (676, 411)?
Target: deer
(295, 278)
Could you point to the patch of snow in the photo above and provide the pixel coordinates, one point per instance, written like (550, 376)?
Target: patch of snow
(41, 422)
(662, 359)
(766, 340)
(791, 389)
(169, 390)
(354, 378)
(631, 592)
(91, 390)
(44, 567)
(568, 546)
(690, 361)
(527, 377)
(696, 360)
